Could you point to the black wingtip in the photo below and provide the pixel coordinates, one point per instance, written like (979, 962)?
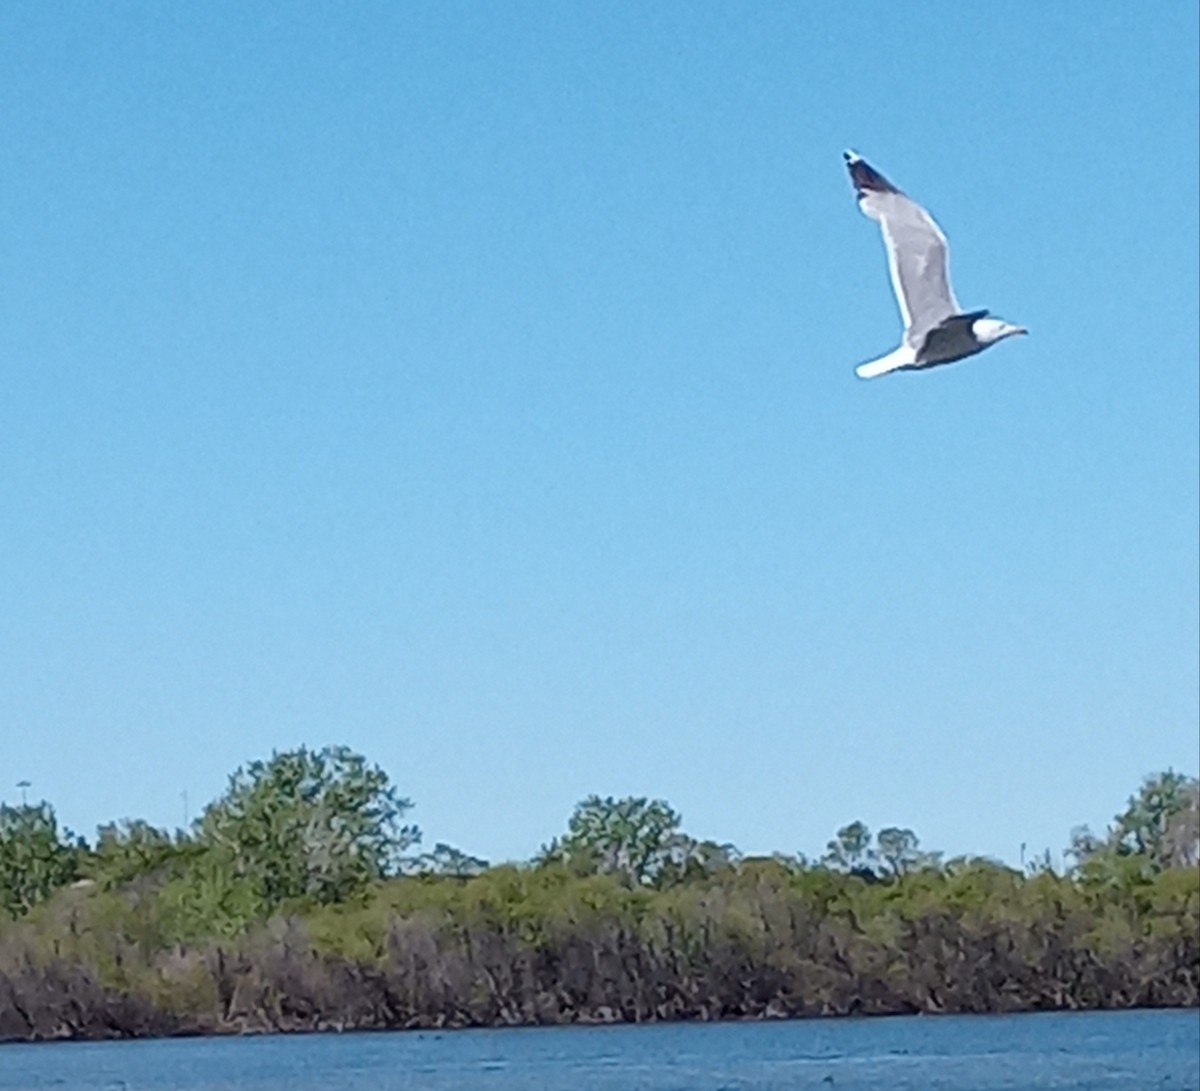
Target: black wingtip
(865, 177)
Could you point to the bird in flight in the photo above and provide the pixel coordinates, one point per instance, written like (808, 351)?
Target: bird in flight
(935, 330)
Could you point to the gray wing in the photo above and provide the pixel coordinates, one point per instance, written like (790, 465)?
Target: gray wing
(916, 249)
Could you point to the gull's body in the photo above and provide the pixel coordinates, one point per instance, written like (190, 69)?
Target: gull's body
(935, 329)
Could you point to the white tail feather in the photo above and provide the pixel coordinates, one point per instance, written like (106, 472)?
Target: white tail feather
(901, 357)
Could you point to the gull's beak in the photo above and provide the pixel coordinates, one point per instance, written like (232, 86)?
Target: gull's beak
(1021, 329)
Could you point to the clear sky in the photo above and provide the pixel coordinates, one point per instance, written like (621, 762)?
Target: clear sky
(473, 385)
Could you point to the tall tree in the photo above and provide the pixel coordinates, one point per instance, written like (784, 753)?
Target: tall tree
(851, 850)
(1160, 827)
(1161, 821)
(35, 858)
(899, 851)
(311, 824)
(636, 839)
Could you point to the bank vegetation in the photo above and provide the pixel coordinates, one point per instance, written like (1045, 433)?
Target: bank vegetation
(298, 902)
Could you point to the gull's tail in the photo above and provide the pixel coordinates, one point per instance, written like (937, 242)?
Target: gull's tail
(901, 357)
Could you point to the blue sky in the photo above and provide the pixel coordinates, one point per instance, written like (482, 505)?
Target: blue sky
(473, 385)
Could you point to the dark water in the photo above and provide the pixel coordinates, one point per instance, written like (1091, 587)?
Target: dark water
(1133, 1051)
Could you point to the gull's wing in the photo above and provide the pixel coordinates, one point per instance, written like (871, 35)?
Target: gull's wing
(916, 248)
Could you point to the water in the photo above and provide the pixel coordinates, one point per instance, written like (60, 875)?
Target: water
(1133, 1051)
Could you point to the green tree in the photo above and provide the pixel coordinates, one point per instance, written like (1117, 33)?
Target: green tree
(851, 850)
(209, 898)
(1181, 841)
(636, 839)
(133, 847)
(899, 852)
(447, 860)
(1160, 822)
(707, 858)
(1084, 845)
(35, 859)
(316, 825)
(1160, 826)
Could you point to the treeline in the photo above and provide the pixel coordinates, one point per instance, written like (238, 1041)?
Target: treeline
(297, 902)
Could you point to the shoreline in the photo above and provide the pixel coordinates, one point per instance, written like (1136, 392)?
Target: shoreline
(267, 1031)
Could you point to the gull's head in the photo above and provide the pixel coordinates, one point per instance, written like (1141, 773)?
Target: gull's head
(988, 331)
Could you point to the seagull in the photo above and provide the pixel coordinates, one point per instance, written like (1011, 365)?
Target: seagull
(935, 329)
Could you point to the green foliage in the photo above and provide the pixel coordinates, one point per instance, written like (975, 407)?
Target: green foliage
(127, 849)
(447, 860)
(1160, 822)
(1160, 827)
(34, 858)
(316, 826)
(287, 909)
(519, 945)
(213, 898)
(894, 852)
(851, 849)
(637, 840)
(899, 852)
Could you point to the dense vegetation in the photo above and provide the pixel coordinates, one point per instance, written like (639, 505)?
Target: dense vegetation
(296, 902)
